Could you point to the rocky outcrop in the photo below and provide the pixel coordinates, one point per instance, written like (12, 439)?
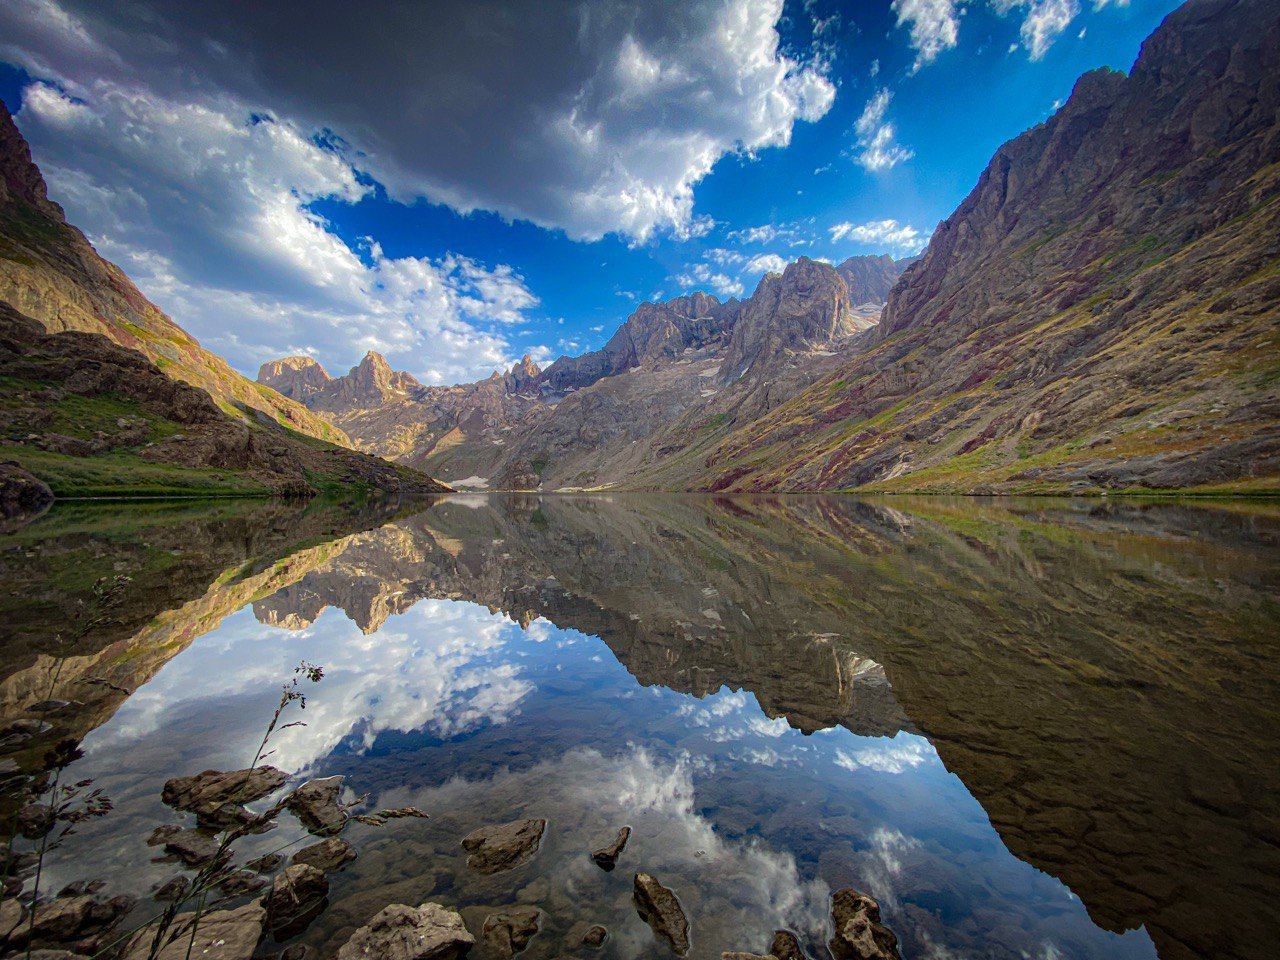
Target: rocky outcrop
(659, 907)
(504, 846)
(297, 378)
(22, 494)
(869, 279)
(399, 932)
(805, 306)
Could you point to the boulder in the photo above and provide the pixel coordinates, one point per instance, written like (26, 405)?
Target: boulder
(606, 857)
(504, 846)
(400, 932)
(297, 896)
(71, 919)
(217, 798)
(318, 807)
(859, 933)
(219, 935)
(660, 908)
(509, 932)
(240, 882)
(194, 847)
(327, 855)
(786, 946)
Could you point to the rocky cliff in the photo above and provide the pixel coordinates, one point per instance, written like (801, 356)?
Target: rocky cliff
(1099, 313)
(51, 273)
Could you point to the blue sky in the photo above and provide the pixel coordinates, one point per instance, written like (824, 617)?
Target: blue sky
(457, 191)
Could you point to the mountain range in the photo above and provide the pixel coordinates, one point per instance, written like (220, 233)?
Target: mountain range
(1099, 314)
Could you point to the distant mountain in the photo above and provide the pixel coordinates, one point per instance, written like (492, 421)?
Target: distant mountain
(600, 417)
(1100, 313)
(103, 395)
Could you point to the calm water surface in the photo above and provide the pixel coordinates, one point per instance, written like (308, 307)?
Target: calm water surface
(1029, 728)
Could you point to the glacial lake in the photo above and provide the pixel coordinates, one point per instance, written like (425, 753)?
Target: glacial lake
(1028, 728)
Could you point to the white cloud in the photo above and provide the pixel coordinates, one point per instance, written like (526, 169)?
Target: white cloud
(877, 147)
(897, 756)
(934, 26)
(1045, 20)
(590, 118)
(884, 234)
(208, 209)
(765, 263)
(703, 276)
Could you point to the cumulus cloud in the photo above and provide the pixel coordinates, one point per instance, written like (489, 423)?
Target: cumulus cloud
(592, 118)
(934, 26)
(703, 276)
(765, 263)
(1044, 21)
(883, 234)
(877, 146)
(209, 209)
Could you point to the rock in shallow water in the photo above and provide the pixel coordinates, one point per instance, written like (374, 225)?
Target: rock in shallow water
(220, 935)
(660, 908)
(606, 858)
(217, 798)
(296, 897)
(316, 805)
(327, 855)
(400, 932)
(786, 946)
(509, 932)
(859, 933)
(503, 846)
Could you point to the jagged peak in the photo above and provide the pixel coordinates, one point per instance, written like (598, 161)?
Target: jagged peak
(20, 178)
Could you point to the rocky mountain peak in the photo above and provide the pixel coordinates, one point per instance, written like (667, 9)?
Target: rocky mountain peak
(295, 377)
(522, 374)
(20, 178)
(870, 278)
(805, 306)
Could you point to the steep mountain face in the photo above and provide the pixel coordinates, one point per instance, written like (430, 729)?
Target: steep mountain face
(869, 279)
(599, 418)
(297, 378)
(51, 273)
(1101, 312)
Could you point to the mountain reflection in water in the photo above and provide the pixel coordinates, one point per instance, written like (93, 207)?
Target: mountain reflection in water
(1029, 728)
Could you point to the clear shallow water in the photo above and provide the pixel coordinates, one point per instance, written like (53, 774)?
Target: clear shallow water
(1037, 729)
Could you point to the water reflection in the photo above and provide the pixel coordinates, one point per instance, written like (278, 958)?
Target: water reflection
(1027, 728)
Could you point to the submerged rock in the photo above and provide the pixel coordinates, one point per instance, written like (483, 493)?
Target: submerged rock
(297, 896)
(217, 798)
(219, 935)
(509, 932)
(503, 846)
(607, 857)
(400, 932)
(735, 955)
(74, 920)
(317, 806)
(194, 847)
(175, 888)
(660, 908)
(859, 933)
(327, 855)
(240, 882)
(267, 863)
(581, 934)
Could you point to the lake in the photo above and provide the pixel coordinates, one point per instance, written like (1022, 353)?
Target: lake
(1029, 728)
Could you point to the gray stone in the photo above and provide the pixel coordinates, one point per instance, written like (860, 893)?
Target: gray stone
(327, 855)
(317, 806)
(660, 908)
(509, 932)
(400, 932)
(503, 846)
(606, 857)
